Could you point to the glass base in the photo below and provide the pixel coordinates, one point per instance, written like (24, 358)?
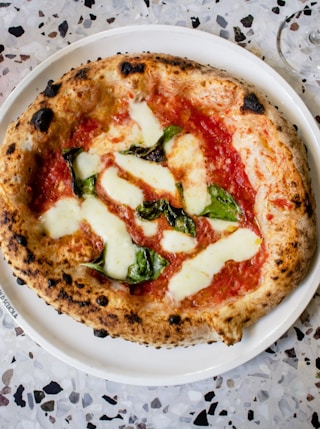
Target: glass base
(298, 42)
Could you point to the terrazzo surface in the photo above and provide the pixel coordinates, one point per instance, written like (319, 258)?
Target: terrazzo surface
(280, 388)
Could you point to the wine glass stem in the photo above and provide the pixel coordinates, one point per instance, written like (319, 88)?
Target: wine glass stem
(314, 37)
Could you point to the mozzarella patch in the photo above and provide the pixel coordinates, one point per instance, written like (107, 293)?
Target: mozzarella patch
(184, 152)
(120, 248)
(176, 242)
(148, 227)
(86, 164)
(196, 273)
(222, 225)
(120, 189)
(157, 176)
(63, 218)
(147, 121)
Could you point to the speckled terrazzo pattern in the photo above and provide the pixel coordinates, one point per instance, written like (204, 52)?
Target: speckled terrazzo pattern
(279, 388)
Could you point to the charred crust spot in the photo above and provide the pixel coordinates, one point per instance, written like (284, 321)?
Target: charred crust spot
(127, 68)
(112, 316)
(7, 218)
(11, 148)
(84, 303)
(102, 300)
(67, 278)
(174, 319)
(309, 207)
(20, 281)
(21, 239)
(82, 73)
(51, 89)
(228, 319)
(63, 294)
(100, 333)
(252, 104)
(30, 257)
(41, 119)
(79, 285)
(52, 282)
(133, 318)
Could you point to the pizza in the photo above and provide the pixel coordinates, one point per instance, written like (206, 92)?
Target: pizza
(157, 200)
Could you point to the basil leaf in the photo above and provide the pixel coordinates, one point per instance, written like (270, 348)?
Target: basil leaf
(222, 205)
(179, 220)
(80, 187)
(87, 186)
(150, 210)
(98, 264)
(156, 152)
(176, 217)
(148, 266)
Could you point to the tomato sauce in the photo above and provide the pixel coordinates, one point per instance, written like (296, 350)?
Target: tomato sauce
(224, 168)
(51, 181)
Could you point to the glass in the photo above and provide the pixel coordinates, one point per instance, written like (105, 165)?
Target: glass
(298, 42)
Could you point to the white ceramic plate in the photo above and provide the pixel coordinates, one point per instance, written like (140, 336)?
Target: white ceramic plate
(116, 359)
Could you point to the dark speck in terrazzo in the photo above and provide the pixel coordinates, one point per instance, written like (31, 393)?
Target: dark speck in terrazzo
(52, 388)
(221, 21)
(201, 419)
(38, 396)
(212, 408)
(16, 31)
(300, 334)
(195, 21)
(18, 396)
(238, 35)
(209, 396)
(315, 420)
(89, 3)
(48, 406)
(63, 28)
(156, 403)
(109, 400)
(247, 21)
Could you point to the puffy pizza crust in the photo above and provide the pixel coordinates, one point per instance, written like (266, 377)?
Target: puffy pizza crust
(276, 165)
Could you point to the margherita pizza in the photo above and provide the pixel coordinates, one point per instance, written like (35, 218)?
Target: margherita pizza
(157, 200)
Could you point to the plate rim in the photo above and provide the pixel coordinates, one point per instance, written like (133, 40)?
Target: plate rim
(315, 272)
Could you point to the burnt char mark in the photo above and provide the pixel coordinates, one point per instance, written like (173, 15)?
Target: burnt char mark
(51, 89)
(67, 278)
(30, 257)
(41, 119)
(252, 104)
(7, 218)
(127, 68)
(21, 239)
(133, 318)
(100, 333)
(82, 73)
(309, 207)
(177, 62)
(11, 148)
(102, 301)
(52, 283)
(174, 319)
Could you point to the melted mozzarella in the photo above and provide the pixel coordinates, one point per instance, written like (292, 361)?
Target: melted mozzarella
(222, 225)
(176, 242)
(197, 273)
(87, 164)
(120, 248)
(148, 227)
(62, 219)
(147, 121)
(157, 176)
(120, 189)
(184, 152)
(118, 137)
